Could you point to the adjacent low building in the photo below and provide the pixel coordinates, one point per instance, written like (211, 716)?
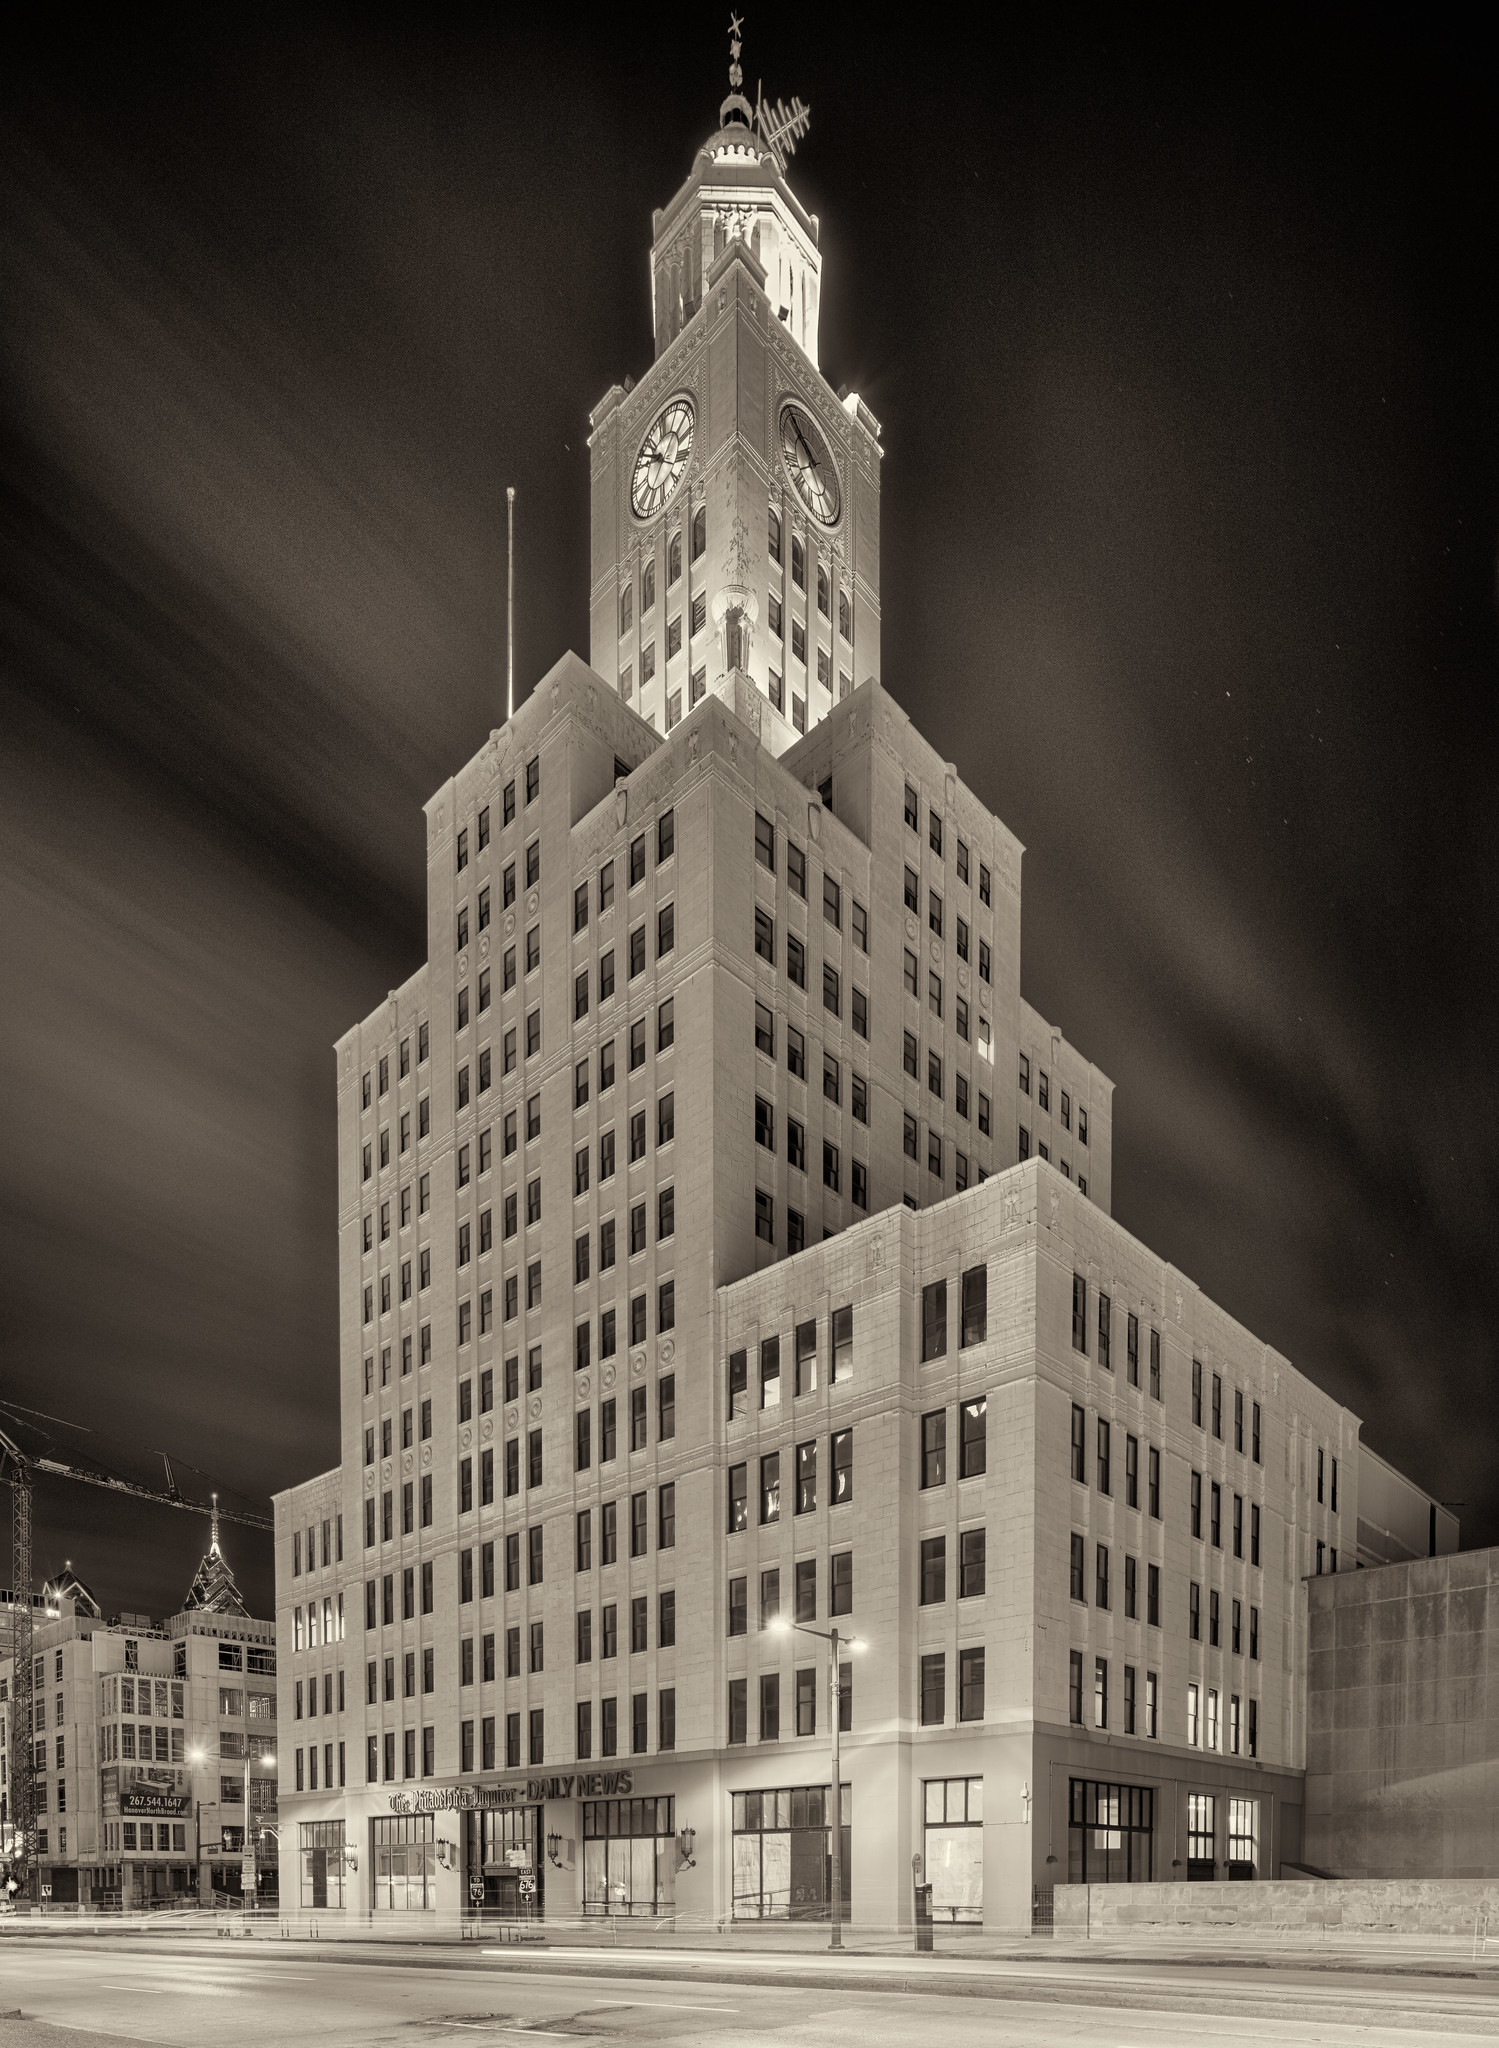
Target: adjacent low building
(1402, 1759)
(154, 1747)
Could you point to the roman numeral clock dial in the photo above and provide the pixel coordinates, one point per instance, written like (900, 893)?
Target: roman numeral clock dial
(810, 465)
(662, 461)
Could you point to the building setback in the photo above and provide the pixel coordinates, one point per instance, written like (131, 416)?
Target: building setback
(717, 1066)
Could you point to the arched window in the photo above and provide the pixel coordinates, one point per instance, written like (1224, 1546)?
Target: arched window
(627, 606)
(647, 587)
(824, 593)
(775, 536)
(798, 563)
(845, 616)
(699, 532)
(674, 558)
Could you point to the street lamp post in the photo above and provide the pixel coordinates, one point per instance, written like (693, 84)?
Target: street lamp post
(835, 1697)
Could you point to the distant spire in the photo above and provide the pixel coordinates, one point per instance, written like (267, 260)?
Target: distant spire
(213, 1590)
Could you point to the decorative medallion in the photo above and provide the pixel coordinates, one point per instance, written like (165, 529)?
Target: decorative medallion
(484, 947)
(936, 951)
(385, 1469)
(583, 1387)
(533, 903)
(606, 1377)
(668, 1350)
(465, 1437)
(426, 1454)
(463, 963)
(962, 976)
(910, 926)
(536, 1407)
(512, 1417)
(510, 924)
(369, 1481)
(406, 1461)
(637, 1360)
(486, 1430)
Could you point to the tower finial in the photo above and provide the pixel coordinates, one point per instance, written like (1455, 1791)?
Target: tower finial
(213, 1526)
(736, 103)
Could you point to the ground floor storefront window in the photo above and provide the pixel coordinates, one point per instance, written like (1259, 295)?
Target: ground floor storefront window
(954, 1848)
(783, 1858)
(1243, 1837)
(1111, 1833)
(1202, 1829)
(506, 1872)
(629, 1856)
(322, 1863)
(403, 1862)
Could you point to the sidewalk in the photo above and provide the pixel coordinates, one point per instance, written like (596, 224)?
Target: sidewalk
(779, 1948)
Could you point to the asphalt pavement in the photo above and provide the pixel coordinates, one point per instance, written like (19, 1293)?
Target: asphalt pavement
(239, 1997)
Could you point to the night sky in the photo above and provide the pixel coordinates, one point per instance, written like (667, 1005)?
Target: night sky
(1186, 350)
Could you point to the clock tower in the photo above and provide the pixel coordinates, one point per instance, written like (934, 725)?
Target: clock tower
(735, 495)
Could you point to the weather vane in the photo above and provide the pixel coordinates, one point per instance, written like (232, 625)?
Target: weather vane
(781, 127)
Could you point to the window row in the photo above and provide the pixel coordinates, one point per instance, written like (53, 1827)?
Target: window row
(1105, 1341)
(804, 1356)
(803, 1461)
(1216, 1418)
(973, 1325)
(840, 1593)
(532, 789)
(423, 1050)
(638, 1424)
(806, 1684)
(935, 842)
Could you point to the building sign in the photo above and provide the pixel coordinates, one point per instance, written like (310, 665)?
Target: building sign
(160, 1805)
(522, 1792)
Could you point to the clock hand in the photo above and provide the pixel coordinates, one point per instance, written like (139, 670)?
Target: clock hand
(802, 438)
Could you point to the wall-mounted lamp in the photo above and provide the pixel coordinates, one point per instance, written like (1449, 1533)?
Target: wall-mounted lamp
(447, 1854)
(685, 1839)
(554, 1844)
(351, 1858)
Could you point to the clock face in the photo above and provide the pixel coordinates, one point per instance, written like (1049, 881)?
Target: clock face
(810, 465)
(662, 461)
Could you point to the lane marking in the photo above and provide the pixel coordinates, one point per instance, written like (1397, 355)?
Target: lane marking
(670, 2004)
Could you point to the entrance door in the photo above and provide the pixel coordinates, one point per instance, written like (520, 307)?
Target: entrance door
(317, 1860)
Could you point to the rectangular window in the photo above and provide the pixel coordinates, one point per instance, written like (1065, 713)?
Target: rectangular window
(1079, 1445)
(934, 1320)
(933, 1690)
(1079, 1313)
(972, 1546)
(934, 1448)
(933, 1570)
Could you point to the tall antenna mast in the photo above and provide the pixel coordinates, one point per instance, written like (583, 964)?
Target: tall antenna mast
(510, 618)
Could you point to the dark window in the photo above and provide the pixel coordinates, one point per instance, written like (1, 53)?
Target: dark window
(933, 1570)
(934, 1320)
(975, 1305)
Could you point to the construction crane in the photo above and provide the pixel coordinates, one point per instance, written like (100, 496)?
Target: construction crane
(20, 1469)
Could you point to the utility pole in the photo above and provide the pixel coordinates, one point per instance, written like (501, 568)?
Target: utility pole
(835, 1818)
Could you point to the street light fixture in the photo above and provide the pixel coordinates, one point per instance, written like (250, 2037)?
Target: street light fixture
(782, 1627)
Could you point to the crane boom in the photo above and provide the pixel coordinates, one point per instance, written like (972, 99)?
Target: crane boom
(18, 1468)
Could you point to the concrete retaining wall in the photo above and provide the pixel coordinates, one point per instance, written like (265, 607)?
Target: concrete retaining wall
(1354, 1905)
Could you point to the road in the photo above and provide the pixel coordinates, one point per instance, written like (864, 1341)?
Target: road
(239, 1998)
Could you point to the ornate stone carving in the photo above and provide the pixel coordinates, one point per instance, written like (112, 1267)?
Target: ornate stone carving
(484, 947)
(406, 1461)
(369, 1480)
(533, 903)
(465, 1437)
(621, 805)
(583, 1387)
(814, 820)
(487, 1428)
(426, 1454)
(512, 1417)
(668, 1350)
(535, 1407)
(510, 924)
(386, 1469)
(463, 963)
(606, 1377)
(874, 1254)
